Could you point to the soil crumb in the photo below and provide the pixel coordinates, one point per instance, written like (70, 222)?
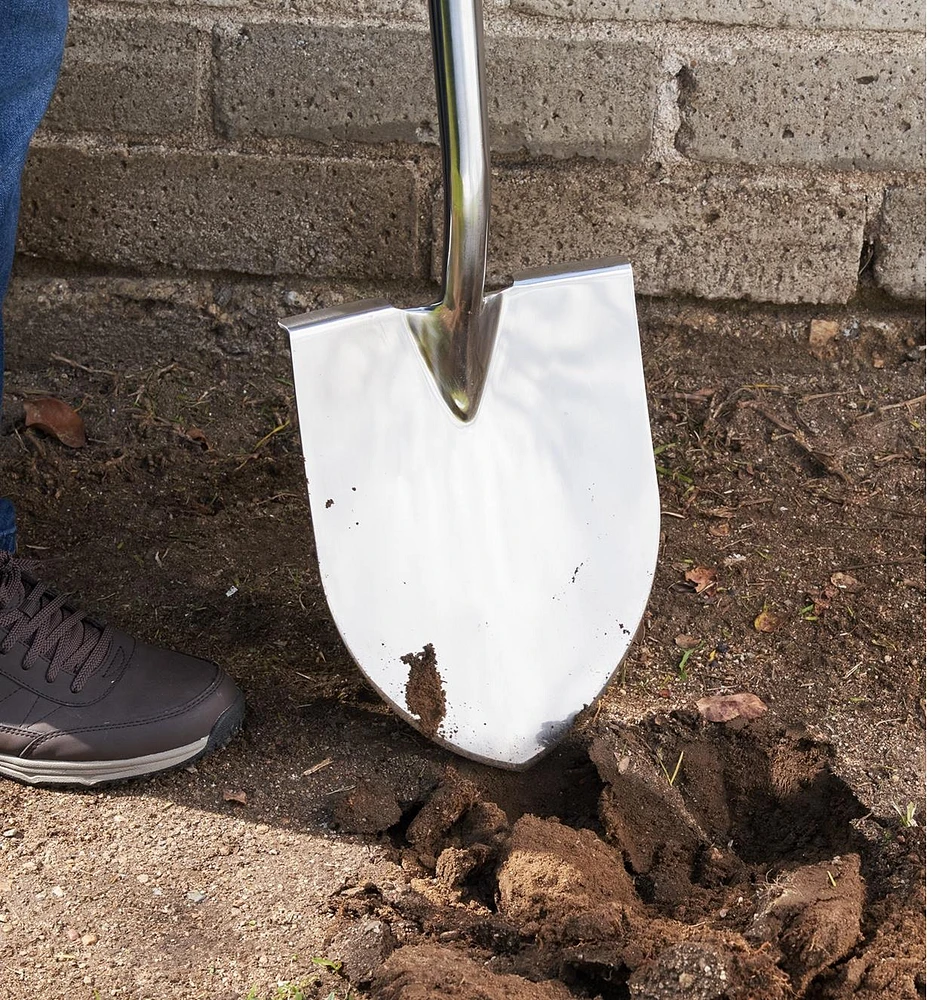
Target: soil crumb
(423, 972)
(424, 690)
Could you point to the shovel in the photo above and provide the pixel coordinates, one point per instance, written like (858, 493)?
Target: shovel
(480, 470)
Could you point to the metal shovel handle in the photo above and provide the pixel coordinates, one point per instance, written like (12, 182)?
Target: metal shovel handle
(456, 336)
(457, 38)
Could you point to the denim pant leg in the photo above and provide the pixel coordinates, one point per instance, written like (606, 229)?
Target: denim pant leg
(31, 44)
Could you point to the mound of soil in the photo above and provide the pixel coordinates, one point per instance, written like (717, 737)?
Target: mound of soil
(723, 862)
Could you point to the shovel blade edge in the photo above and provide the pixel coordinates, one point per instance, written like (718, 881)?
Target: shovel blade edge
(487, 577)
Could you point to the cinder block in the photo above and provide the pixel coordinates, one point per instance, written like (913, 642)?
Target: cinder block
(571, 97)
(873, 15)
(136, 76)
(690, 232)
(556, 97)
(860, 111)
(251, 214)
(899, 256)
(323, 83)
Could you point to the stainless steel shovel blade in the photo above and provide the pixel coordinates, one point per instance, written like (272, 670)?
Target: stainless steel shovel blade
(519, 546)
(481, 472)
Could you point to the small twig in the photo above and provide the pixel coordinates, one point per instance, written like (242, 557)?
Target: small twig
(318, 767)
(887, 562)
(895, 511)
(828, 462)
(344, 788)
(822, 395)
(80, 367)
(893, 406)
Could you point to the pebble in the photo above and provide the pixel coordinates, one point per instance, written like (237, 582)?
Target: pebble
(89, 939)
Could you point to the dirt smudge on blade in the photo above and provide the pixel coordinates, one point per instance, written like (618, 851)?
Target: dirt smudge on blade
(424, 690)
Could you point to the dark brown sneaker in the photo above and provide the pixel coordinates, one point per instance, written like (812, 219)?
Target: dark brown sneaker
(84, 704)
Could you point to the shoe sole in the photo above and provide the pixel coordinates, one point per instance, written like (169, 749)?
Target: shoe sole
(91, 773)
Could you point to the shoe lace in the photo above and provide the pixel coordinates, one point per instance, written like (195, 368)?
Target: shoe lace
(48, 626)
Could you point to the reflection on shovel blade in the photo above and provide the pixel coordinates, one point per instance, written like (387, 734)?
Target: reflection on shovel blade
(487, 576)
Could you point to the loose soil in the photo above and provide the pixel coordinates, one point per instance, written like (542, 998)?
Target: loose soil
(331, 850)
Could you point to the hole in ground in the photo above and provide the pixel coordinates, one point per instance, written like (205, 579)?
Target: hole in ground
(744, 875)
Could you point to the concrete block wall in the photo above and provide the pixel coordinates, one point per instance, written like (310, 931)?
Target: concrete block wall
(770, 150)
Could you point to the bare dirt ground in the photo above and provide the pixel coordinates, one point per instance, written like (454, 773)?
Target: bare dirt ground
(333, 852)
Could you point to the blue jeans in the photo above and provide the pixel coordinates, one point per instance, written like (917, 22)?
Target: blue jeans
(31, 45)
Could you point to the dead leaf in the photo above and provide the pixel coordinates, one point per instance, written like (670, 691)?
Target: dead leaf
(233, 796)
(55, 417)
(821, 335)
(721, 511)
(726, 707)
(843, 581)
(195, 435)
(766, 621)
(703, 577)
(687, 641)
(721, 530)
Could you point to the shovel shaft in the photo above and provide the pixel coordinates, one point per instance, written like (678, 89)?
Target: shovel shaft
(456, 336)
(457, 37)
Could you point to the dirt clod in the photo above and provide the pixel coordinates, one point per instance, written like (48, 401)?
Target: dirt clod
(812, 917)
(891, 961)
(552, 872)
(450, 801)
(423, 972)
(693, 971)
(424, 690)
(362, 948)
(369, 807)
